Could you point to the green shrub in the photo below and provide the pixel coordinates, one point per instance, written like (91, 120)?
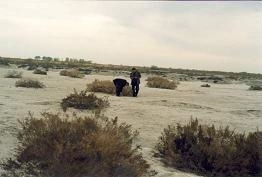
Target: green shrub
(255, 87)
(83, 101)
(71, 73)
(29, 83)
(56, 146)
(13, 74)
(31, 67)
(107, 86)
(215, 152)
(4, 61)
(160, 82)
(39, 71)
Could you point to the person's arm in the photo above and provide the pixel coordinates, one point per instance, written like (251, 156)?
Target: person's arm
(131, 76)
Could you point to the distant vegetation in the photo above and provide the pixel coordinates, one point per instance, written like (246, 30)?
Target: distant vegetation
(58, 146)
(88, 66)
(107, 86)
(160, 82)
(29, 83)
(83, 101)
(205, 85)
(71, 73)
(211, 151)
(39, 71)
(255, 87)
(13, 74)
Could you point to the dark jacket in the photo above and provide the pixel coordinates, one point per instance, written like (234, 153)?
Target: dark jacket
(135, 77)
(120, 83)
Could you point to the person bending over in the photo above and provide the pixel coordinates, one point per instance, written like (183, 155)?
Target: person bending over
(135, 81)
(120, 84)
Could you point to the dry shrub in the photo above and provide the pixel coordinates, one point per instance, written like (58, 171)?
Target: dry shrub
(83, 101)
(107, 86)
(39, 71)
(255, 87)
(56, 146)
(29, 83)
(160, 82)
(104, 86)
(71, 73)
(127, 91)
(215, 152)
(13, 74)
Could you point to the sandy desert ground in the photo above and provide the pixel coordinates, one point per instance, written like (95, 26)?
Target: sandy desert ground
(222, 104)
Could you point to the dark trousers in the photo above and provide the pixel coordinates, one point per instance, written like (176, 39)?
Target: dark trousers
(135, 89)
(118, 90)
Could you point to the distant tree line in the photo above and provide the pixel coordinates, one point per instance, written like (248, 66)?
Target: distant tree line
(60, 63)
(67, 59)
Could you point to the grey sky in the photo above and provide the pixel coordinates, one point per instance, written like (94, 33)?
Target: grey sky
(202, 35)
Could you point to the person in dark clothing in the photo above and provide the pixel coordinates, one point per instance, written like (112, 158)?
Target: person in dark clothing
(135, 81)
(120, 84)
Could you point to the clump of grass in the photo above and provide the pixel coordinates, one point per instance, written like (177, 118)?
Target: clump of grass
(107, 86)
(58, 146)
(29, 83)
(104, 86)
(255, 87)
(160, 82)
(127, 91)
(71, 73)
(83, 101)
(13, 74)
(215, 152)
(39, 71)
(31, 67)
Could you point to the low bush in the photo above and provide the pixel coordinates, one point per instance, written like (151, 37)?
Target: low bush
(13, 74)
(215, 152)
(39, 71)
(31, 67)
(57, 146)
(29, 83)
(104, 86)
(255, 87)
(83, 101)
(85, 71)
(71, 73)
(107, 86)
(127, 91)
(4, 61)
(160, 82)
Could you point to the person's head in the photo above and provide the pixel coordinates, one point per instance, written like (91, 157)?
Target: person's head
(133, 69)
(127, 84)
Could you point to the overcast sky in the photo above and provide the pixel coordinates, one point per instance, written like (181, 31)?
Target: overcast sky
(223, 36)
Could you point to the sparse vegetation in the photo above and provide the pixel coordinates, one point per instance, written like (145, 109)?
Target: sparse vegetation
(57, 146)
(107, 86)
(127, 91)
(215, 152)
(13, 74)
(39, 71)
(104, 86)
(4, 61)
(205, 85)
(71, 73)
(255, 87)
(83, 101)
(50, 62)
(29, 83)
(160, 82)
